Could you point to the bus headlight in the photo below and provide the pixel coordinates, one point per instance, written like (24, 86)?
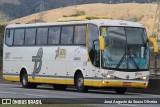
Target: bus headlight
(108, 76)
(144, 78)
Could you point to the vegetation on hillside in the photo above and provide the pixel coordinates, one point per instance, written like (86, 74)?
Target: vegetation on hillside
(77, 13)
(17, 9)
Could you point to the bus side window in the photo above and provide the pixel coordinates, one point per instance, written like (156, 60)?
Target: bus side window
(9, 37)
(54, 35)
(42, 36)
(67, 35)
(30, 36)
(80, 34)
(93, 34)
(19, 37)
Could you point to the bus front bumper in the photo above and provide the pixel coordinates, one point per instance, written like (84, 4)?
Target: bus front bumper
(116, 83)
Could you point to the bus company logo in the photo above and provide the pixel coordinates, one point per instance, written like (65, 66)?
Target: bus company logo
(127, 77)
(6, 101)
(60, 53)
(38, 62)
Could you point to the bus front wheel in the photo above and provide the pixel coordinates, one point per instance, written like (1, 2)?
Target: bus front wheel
(25, 83)
(120, 90)
(80, 83)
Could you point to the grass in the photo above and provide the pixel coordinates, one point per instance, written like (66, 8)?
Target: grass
(135, 18)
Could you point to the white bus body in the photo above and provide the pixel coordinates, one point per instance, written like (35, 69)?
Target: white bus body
(59, 64)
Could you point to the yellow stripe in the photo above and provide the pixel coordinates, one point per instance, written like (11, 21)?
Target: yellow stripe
(51, 80)
(99, 83)
(11, 78)
(41, 80)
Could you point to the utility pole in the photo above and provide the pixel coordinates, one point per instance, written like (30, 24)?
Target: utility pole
(156, 31)
(156, 26)
(110, 2)
(41, 10)
(99, 1)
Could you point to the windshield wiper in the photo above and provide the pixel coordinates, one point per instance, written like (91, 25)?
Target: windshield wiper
(128, 53)
(120, 62)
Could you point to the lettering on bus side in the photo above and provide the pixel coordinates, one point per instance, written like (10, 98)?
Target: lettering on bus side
(38, 62)
(7, 55)
(77, 54)
(110, 72)
(138, 74)
(60, 53)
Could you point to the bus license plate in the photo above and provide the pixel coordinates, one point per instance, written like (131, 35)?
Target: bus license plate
(127, 83)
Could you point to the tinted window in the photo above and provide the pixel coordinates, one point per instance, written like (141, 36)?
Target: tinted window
(92, 35)
(54, 35)
(135, 34)
(67, 35)
(42, 36)
(9, 37)
(30, 36)
(80, 35)
(19, 37)
(93, 45)
(116, 40)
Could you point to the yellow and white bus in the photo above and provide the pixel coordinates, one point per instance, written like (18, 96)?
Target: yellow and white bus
(83, 51)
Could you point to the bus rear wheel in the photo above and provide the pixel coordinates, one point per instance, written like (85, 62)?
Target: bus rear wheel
(80, 83)
(25, 83)
(121, 90)
(59, 87)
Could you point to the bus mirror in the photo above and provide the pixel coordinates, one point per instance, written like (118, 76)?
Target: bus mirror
(155, 44)
(101, 43)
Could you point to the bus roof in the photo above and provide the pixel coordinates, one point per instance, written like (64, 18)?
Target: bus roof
(98, 22)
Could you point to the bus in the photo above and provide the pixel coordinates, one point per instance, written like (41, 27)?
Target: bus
(85, 52)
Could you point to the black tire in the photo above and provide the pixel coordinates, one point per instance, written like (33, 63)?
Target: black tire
(121, 90)
(25, 83)
(59, 87)
(80, 83)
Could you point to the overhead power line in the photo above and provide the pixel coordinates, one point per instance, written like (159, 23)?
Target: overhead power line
(42, 12)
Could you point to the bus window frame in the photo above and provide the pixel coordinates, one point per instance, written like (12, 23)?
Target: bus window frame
(37, 36)
(25, 36)
(74, 34)
(87, 40)
(85, 24)
(14, 37)
(6, 36)
(59, 35)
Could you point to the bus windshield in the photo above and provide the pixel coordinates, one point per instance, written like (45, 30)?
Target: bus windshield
(126, 48)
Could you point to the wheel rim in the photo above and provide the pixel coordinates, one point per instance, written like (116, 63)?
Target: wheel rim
(24, 80)
(80, 82)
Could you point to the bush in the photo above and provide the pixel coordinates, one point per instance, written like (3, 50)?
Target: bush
(153, 35)
(77, 13)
